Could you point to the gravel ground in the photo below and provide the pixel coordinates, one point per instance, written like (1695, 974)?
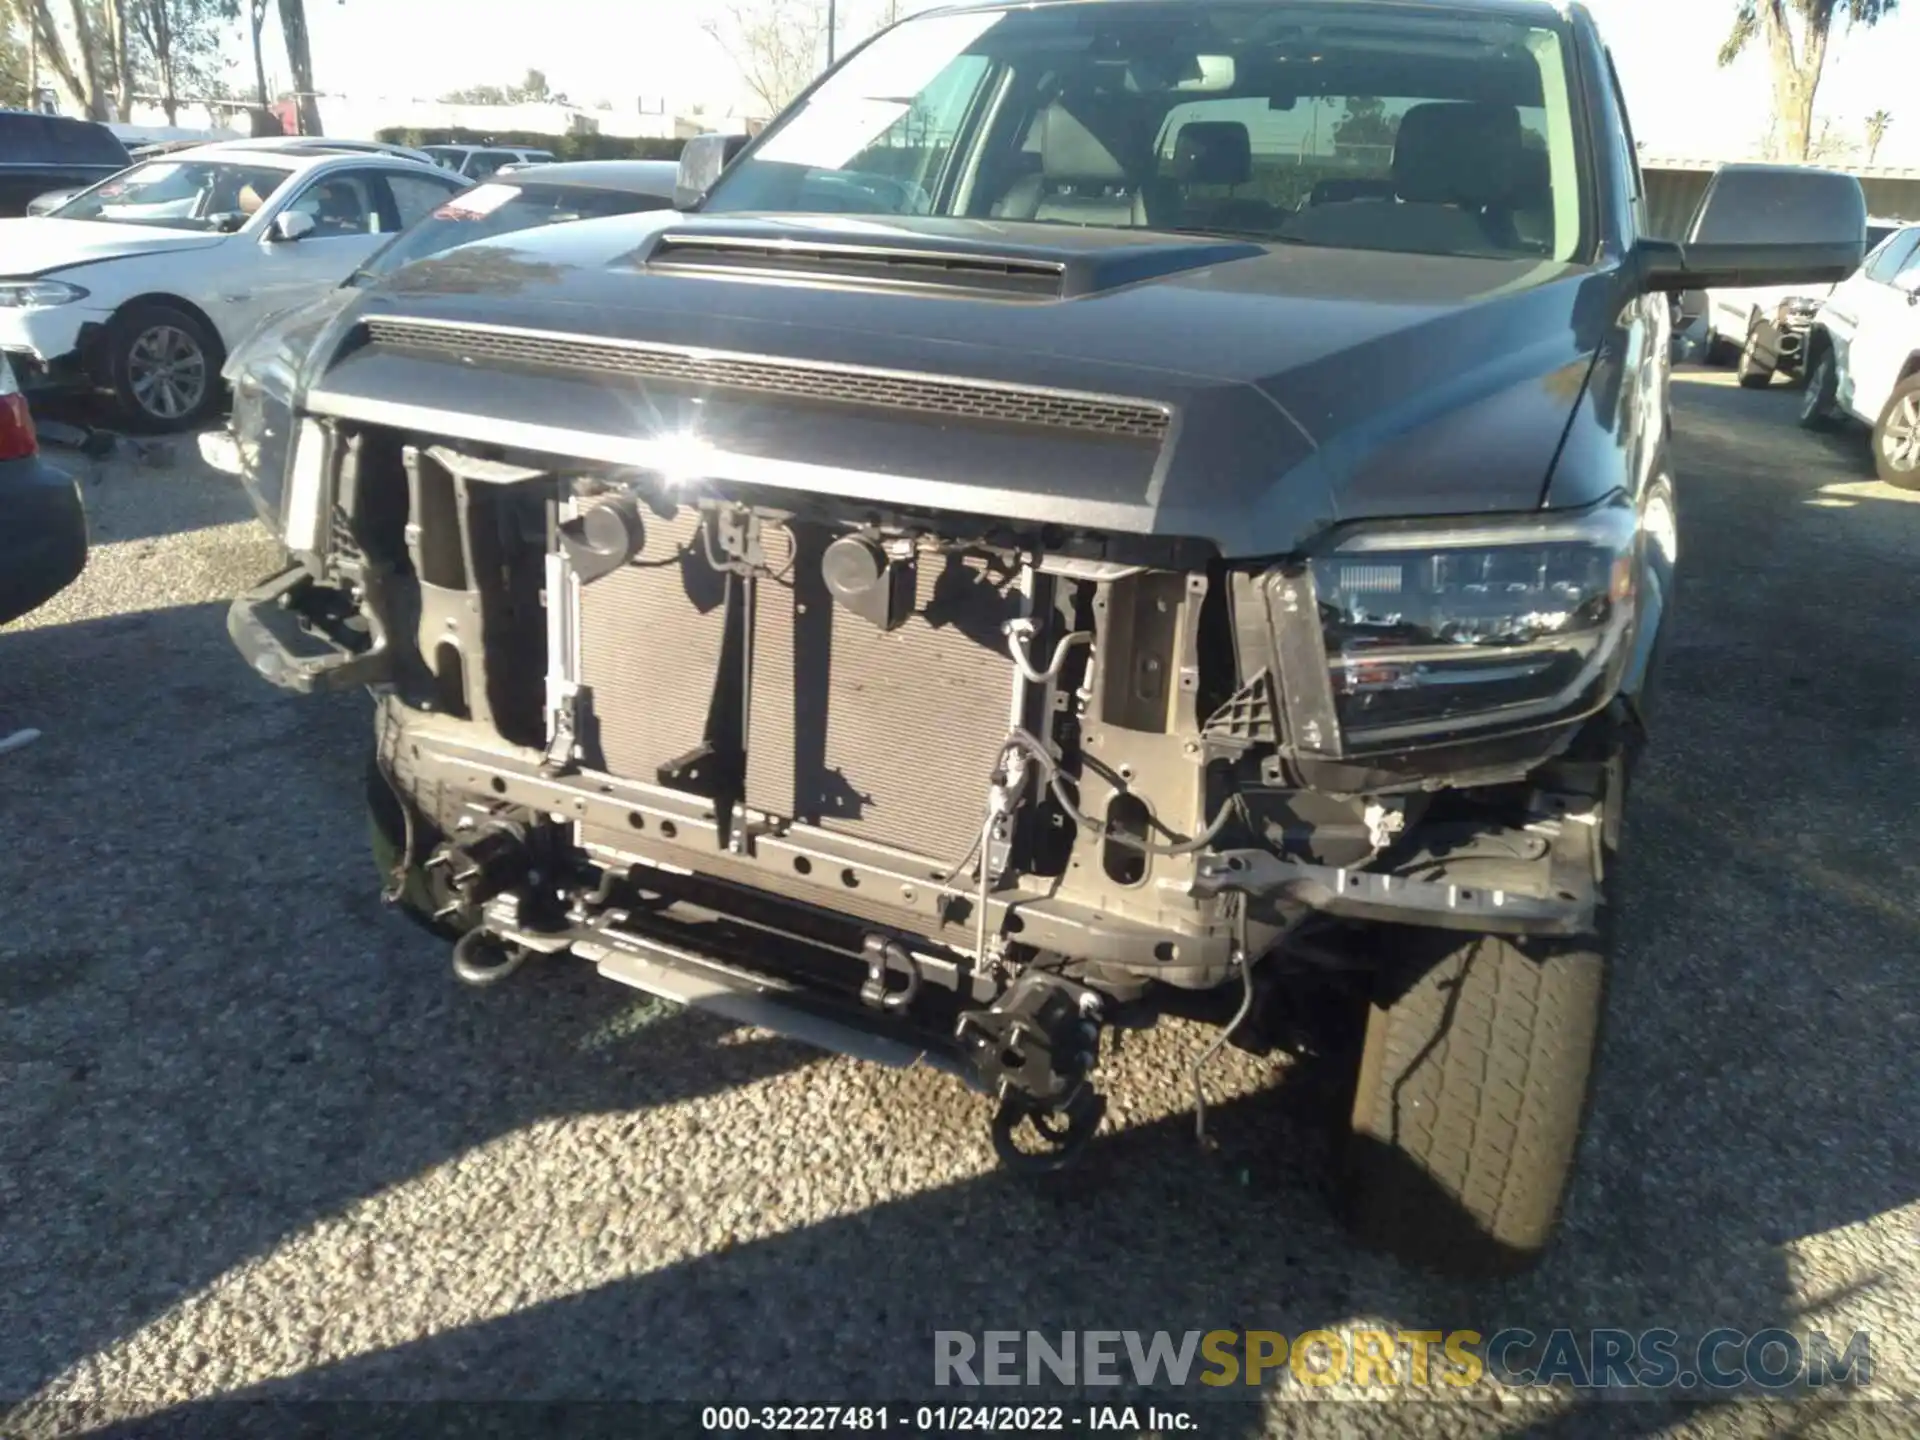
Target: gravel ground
(254, 1140)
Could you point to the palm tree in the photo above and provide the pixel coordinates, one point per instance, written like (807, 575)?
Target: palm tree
(1795, 33)
(1877, 124)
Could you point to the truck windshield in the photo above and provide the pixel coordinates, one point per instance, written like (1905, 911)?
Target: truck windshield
(1423, 129)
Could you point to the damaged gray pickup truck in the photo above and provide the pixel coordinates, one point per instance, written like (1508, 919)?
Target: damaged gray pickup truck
(1106, 509)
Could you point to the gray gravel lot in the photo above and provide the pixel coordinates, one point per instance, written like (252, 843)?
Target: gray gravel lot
(254, 1140)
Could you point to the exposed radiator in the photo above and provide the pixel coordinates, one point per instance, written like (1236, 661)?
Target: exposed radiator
(651, 637)
(887, 735)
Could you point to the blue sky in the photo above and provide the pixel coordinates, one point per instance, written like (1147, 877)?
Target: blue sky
(619, 50)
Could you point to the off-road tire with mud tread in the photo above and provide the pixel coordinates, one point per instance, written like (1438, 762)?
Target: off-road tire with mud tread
(1470, 1097)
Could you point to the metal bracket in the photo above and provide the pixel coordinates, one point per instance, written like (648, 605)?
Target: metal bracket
(560, 753)
(1372, 895)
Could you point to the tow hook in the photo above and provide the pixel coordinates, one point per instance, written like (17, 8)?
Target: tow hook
(481, 958)
(1036, 1047)
(886, 960)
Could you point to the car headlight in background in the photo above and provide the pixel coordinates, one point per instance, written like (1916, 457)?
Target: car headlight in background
(1800, 310)
(37, 294)
(1435, 631)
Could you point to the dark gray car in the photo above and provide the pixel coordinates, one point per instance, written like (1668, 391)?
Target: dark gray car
(1104, 510)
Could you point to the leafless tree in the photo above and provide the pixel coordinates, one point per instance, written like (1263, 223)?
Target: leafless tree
(1831, 145)
(1795, 33)
(777, 45)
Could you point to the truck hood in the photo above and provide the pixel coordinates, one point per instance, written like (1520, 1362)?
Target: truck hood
(1302, 386)
(40, 244)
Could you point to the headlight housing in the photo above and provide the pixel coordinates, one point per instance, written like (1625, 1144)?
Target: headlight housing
(1435, 632)
(37, 294)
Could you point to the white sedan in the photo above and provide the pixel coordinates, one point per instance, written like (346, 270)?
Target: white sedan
(141, 285)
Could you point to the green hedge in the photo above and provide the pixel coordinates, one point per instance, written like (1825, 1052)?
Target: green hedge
(564, 147)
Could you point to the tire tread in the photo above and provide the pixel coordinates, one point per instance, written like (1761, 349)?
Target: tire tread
(1472, 1090)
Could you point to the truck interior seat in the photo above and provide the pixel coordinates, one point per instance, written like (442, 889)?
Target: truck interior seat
(1080, 181)
(1210, 155)
(1456, 168)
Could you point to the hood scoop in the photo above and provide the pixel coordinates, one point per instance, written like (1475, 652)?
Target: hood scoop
(965, 262)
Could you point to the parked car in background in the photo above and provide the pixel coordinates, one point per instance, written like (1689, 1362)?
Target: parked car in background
(957, 619)
(42, 153)
(476, 162)
(1863, 357)
(1763, 330)
(43, 529)
(140, 285)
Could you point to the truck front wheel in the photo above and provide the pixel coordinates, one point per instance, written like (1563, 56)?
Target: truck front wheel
(1471, 1092)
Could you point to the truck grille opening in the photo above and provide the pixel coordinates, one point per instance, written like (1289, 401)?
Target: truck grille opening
(980, 401)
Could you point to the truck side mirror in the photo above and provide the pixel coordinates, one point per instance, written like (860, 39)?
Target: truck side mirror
(1764, 225)
(701, 162)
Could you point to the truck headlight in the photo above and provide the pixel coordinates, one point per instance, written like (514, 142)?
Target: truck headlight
(37, 294)
(1434, 631)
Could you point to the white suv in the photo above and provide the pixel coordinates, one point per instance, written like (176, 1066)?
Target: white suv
(1863, 356)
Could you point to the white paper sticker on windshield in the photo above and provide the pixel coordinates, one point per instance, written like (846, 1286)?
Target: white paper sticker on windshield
(477, 203)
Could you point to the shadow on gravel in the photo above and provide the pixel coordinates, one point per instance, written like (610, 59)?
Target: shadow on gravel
(210, 1034)
(200, 897)
(162, 487)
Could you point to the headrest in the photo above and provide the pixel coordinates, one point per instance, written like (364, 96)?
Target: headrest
(1350, 187)
(1069, 151)
(1451, 153)
(1213, 152)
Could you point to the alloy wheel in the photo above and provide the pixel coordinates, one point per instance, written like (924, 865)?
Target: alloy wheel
(1900, 434)
(167, 372)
